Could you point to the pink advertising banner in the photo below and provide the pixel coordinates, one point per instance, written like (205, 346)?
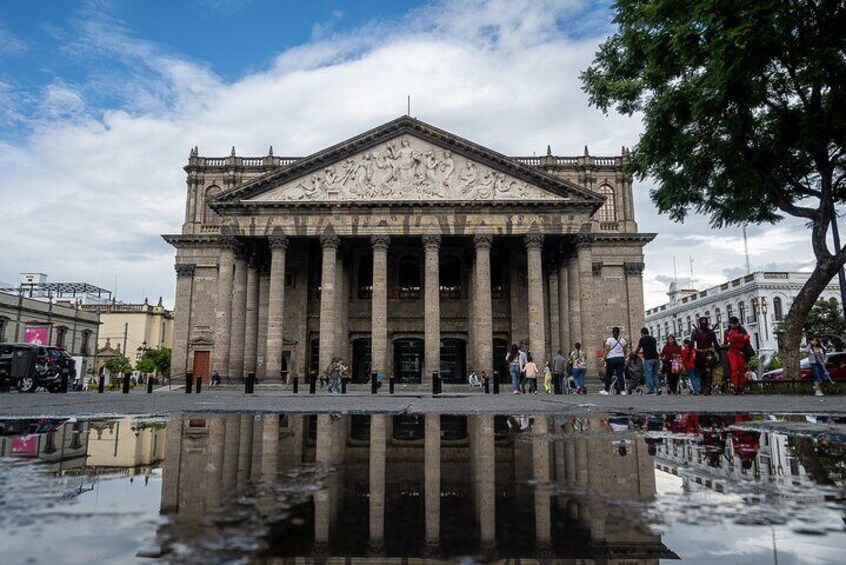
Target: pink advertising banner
(37, 335)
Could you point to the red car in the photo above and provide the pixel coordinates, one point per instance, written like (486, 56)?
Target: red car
(835, 362)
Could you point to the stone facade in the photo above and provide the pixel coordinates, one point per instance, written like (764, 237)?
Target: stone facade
(404, 250)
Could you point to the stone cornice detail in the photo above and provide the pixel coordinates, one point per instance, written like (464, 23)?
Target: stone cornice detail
(278, 242)
(634, 268)
(184, 269)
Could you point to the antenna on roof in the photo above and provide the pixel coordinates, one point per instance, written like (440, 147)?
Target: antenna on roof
(408, 112)
(675, 274)
(691, 271)
(746, 251)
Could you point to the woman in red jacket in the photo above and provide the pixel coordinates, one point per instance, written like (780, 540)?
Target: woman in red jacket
(671, 363)
(737, 338)
(688, 358)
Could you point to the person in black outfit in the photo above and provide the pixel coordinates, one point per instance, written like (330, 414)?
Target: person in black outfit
(651, 361)
(707, 350)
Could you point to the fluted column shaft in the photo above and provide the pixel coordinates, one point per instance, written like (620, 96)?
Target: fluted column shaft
(276, 307)
(329, 243)
(484, 314)
(223, 308)
(590, 336)
(239, 317)
(251, 322)
(432, 306)
(378, 451)
(182, 318)
(537, 326)
(379, 307)
(563, 306)
(574, 300)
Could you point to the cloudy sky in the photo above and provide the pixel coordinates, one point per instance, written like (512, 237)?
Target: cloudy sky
(101, 101)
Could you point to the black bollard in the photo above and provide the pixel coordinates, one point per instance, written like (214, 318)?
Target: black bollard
(65, 383)
(149, 385)
(199, 383)
(496, 382)
(391, 385)
(126, 384)
(556, 384)
(189, 383)
(436, 383)
(374, 383)
(101, 385)
(296, 385)
(343, 386)
(312, 382)
(487, 384)
(250, 383)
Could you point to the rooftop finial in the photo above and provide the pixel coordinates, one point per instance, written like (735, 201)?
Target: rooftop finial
(270, 151)
(549, 150)
(233, 151)
(586, 151)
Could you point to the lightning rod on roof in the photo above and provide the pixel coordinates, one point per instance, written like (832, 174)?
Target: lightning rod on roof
(408, 111)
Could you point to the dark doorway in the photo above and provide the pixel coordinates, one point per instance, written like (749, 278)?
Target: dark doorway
(500, 350)
(361, 359)
(453, 360)
(408, 360)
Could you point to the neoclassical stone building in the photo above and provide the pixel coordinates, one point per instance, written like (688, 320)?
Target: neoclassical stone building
(404, 250)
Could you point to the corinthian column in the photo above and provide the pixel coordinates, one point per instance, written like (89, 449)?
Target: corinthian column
(379, 307)
(432, 307)
(223, 306)
(432, 474)
(484, 314)
(537, 328)
(563, 306)
(276, 306)
(239, 317)
(378, 451)
(329, 242)
(182, 318)
(591, 337)
(251, 322)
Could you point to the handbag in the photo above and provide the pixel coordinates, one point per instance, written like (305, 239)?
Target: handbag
(676, 366)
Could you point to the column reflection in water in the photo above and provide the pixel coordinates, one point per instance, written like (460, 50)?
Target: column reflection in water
(425, 486)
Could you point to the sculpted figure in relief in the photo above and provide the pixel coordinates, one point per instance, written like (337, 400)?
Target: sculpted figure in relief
(468, 176)
(486, 185)
(310, 192)
(447, 167)
(388, 164)
(405, 162)
(430, 186)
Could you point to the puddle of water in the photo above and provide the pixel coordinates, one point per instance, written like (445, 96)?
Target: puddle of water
(443, 488)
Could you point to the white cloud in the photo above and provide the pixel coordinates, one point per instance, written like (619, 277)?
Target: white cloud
(92, 189)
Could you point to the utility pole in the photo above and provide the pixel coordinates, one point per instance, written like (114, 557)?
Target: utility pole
(125, 332)
(835, 232)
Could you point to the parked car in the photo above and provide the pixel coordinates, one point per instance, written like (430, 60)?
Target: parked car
(835, 362)
(48, 365)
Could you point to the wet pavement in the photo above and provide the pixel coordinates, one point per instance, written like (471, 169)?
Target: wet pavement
(284, 487)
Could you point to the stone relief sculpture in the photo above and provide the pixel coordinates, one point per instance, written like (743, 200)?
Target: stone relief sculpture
(406, 169)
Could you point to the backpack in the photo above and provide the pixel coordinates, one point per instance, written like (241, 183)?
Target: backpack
(748, 352)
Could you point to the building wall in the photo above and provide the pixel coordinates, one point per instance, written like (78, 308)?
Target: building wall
(138, 323)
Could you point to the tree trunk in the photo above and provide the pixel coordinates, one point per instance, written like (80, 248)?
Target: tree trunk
(805, 300)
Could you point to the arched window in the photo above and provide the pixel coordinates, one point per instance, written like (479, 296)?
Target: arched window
(718, 317)
(608, 211)
(409, 277)
(729, 311)
(209, 215)
(61, 334)
(778, 310)
(450, 275)
(365, 277)
(741, 309)
(689, 325)
(753, 311)
(666, 330)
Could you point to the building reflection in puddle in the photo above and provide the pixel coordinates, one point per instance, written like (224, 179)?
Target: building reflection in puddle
(429, 486)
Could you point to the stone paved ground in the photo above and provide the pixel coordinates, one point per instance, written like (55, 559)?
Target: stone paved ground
(271, 399)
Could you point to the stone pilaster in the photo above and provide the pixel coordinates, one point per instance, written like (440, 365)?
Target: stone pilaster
(239, 318)
(263, 307)
(537, 326)
(484, 314)
(245, 450)
(182, 318)
(432, 307)
(591, 338)
(329, 242)
(575, 302)
(634, 297)
(565, 338)
(251, 322)
(554, 313)
(230, 452)
(379, 308)
(432, 473)
(223, 307)
(276, 307)
(269, 447)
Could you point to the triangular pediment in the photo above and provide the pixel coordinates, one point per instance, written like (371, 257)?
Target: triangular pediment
(406, 161)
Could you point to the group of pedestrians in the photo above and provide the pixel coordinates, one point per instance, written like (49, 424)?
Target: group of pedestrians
(676, 367)
(565, 373)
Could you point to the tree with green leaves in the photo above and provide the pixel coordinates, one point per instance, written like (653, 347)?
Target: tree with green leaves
(825, 320)
(744, 113)
(118, 364)
(156, 361)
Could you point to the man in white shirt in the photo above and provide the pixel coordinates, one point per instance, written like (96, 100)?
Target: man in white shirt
(615, 362)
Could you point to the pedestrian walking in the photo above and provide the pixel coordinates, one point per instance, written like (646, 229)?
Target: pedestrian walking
(516, 360)
(737, 339)
(615, 361)
(816, 357)
(531, 371)
(547, 378)
(651, 360)
(578, 364)
(706, 346)
(671, 364)
(689, 363)
(559, 372)
(333, 373)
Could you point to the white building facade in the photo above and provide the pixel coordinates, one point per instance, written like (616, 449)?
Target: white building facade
(760, 300)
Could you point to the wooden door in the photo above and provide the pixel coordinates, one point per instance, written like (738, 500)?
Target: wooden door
(201, 365)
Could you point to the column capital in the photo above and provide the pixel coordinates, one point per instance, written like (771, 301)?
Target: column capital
(534, 240)
(482, 241)
(596, 267)
(227, 244)
(330, 241)
(633, 268)
(184, 270)
(241, 254)
(278, 242)
(380, 242)
(584, 240)
(432, 241)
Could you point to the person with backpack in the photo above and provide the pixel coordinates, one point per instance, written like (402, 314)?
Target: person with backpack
(816, 357)
(737, 339)
(672, 364)
(615, 361)
(707, 347)
(651, 360)
(578, 364)
(689, 361)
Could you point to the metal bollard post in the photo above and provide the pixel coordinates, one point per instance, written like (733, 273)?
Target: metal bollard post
(199, 383)
(250, 383)
(436, 383)
(101, 385)
(296, 385)
(374, 383)
(189, 383)
(496, 382)
(343, 386)
(312, 382)
(556, 385)
(391, 384)
(487, 383)
(126, 384)
(65, 383)
(149, 385)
